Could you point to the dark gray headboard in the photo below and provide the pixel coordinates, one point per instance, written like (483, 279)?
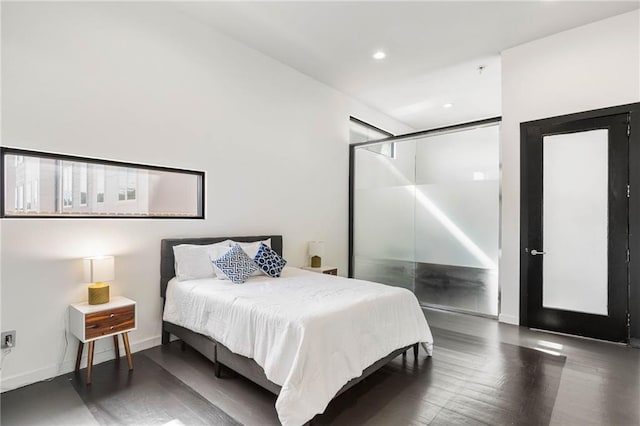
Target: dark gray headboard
(167, 263)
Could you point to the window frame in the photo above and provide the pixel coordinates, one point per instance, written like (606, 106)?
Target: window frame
(4, 151)
(374, 142)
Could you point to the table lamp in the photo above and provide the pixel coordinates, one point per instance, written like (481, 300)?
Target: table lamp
(97, 270)
(316, 251)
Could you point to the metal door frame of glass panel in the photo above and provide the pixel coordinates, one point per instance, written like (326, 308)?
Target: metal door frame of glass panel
(532, 132)
(408, 137)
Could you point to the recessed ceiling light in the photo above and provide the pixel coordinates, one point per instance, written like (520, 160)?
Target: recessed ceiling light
(447, 105)
(379, 55)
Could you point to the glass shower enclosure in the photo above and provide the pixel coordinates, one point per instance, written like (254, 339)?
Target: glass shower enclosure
(425, 215)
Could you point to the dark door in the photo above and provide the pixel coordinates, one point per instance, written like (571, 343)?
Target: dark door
(574, 226)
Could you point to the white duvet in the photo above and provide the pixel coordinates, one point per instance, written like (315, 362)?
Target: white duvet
(310, 332)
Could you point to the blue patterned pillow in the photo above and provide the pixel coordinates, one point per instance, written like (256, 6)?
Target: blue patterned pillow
(269, 261)
(236, 265)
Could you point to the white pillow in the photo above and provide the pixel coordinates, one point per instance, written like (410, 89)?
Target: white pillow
(192, 261)
(252, 249)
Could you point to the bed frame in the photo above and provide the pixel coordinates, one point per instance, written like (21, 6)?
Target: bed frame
(215, 351)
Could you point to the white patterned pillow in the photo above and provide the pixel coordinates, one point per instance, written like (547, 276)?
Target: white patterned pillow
(236, 265)
(269, 261)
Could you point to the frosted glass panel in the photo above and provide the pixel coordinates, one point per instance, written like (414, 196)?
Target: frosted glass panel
(377, 170)
(457, 224)
(465, 156)
(427, 217)
(575, 221)
(384, 223)
(384, 214)
(457, 198)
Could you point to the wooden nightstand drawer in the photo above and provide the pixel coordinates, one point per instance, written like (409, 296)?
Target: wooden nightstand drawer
(110, 315)
(89, 322)
(109, 321)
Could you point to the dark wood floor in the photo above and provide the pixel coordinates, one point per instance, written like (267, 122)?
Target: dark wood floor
(481, 373)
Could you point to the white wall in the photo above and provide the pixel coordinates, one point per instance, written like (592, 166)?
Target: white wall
(141, 83)
(590, 67)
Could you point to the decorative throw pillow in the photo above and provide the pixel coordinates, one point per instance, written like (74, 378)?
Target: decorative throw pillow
(236, 265)
(252, 249)
(215, 253)
(269, 261)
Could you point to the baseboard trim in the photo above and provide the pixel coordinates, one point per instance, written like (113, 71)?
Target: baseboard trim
(509, 319)
(69, 364)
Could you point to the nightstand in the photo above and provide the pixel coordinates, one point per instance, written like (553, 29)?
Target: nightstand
(329, 270)
(92, 322)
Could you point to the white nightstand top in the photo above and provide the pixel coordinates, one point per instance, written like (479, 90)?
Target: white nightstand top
(319, 269)
(115, 302)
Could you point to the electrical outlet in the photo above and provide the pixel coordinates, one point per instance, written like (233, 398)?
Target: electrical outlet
(8, 339)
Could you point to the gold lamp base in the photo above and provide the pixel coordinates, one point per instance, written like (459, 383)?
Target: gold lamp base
(316, 261)
(98, 293)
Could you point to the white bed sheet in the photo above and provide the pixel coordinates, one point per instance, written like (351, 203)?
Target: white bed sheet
(310, 332)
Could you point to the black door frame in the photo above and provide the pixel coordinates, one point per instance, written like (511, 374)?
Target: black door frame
(634, 208)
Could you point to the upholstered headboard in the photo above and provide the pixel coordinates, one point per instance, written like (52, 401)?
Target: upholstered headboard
(167, 262)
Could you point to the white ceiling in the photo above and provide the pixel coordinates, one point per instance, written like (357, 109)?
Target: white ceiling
(433, 48)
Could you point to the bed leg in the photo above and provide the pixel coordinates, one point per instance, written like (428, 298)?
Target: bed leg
(404, 355)
(216, 370)
(183, 346)
(166, 336)
(416, 348)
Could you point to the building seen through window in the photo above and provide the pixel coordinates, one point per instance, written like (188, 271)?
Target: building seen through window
(48, 185)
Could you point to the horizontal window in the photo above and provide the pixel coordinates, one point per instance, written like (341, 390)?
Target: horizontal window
(38, 184)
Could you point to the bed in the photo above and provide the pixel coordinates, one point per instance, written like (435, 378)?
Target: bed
(306, 337)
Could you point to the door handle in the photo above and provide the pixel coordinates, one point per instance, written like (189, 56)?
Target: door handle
(535, 252)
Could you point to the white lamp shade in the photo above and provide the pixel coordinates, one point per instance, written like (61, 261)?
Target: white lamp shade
(316, 248)
(99, 269)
